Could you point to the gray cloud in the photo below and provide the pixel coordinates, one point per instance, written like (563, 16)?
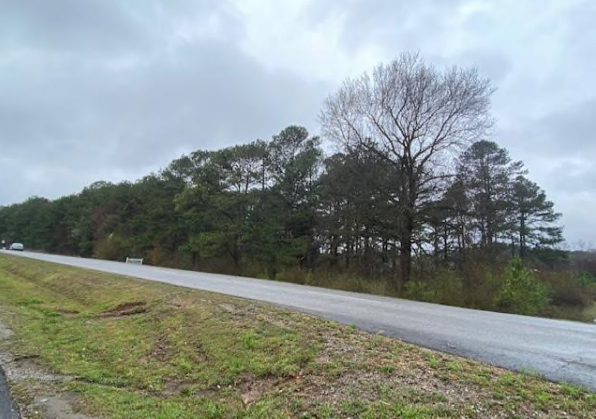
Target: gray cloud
(110, 90)
(539, 53)
(70, 26)
(388, 22)
(72, 114)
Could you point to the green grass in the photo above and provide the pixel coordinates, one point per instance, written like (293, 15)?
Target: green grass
(139, 349)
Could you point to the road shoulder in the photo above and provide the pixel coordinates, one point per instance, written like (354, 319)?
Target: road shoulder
(139, 349)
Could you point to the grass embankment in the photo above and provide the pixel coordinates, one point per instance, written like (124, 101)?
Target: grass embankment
(138, 349)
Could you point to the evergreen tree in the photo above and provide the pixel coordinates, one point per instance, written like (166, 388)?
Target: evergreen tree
(488, 172)
(533, 216)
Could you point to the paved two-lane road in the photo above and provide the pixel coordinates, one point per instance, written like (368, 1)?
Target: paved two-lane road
(558, 350)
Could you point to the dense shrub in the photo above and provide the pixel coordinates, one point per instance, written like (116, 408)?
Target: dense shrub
(585, 278)
(568, 289)
(444, 287)
(482, 283)
(420, 291)
(291, 274)
(521, 292)
(113, 247)
(347, 282)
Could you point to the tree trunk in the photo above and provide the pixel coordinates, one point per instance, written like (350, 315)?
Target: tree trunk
(436, 246)
(522, 237)
(405, 258)
(349, 243)
(445, 242)
(334, 249)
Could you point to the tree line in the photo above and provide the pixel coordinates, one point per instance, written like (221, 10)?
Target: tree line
(414, 186)
(270, 205)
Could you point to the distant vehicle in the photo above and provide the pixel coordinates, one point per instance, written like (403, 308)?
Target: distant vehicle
(17, 246)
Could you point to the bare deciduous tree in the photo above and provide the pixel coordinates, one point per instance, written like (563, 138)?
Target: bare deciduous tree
(413, 116)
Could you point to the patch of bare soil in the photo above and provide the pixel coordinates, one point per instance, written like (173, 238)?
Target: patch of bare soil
(5, 332)
(238, 310)
(127, 309)
(67, 312)
(161, 352)
(61, 406)
(252, 389)
(43, 399)
(19, 367)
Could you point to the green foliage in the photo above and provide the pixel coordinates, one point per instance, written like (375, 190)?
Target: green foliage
(568, 289)
(113, 247)
(573, 295)
(484, 283)
(443, 287)
(534, 216)
(309, 279)
(351, 281)
(279, 209)
(418, 290)
(193, 354)
(585, 278)
(521, 292)
(487, 172)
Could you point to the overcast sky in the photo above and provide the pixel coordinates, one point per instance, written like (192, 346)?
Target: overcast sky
(112, 90)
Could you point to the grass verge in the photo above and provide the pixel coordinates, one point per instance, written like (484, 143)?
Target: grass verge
(126, 348)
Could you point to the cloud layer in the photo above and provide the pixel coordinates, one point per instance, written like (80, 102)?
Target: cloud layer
(114, 89)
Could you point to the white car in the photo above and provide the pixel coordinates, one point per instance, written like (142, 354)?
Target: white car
(17, 246)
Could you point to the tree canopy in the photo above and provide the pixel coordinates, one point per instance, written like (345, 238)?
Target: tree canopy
(414, 184)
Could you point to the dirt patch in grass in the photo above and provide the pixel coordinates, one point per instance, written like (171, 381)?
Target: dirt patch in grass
(61, 406)
(38, 386)
(189, 354)
(22, 366)
(127, 309)
(253, 388)
(5, 332)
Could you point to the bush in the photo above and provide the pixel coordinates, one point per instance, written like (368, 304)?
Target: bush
(521, 292)
(443, 287)
(482, 284)
(348, 281)
(585, 278)
(290, 274)
(568, 289)
(418, 290)
(113, 247)
(159, 256)
(309, 279)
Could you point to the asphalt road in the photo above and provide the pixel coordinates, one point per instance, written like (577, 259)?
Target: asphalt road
(556, 349)
(8, 410)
